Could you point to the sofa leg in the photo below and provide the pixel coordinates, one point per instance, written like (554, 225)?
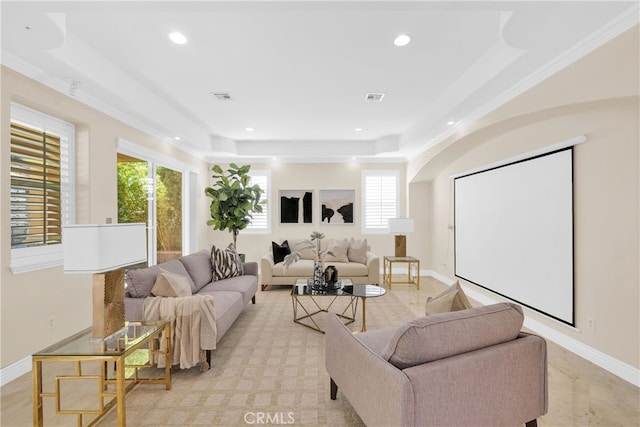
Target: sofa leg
(208, 353)
(334, 390)
(263, 287)
(532, 423)
(253, 299)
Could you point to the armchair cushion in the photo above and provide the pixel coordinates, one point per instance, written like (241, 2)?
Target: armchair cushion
(443, 335)
(451, 299)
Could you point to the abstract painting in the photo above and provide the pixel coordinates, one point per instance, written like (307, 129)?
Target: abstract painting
(336, 206)
(296, 206)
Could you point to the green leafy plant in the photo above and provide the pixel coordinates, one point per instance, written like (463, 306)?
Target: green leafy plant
(233, 199)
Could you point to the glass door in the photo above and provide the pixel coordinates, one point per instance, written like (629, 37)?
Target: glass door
(152, 194)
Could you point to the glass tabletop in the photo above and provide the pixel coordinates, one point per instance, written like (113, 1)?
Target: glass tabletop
(82, 344)
(347, 288)
(365, 291)
(400, 258)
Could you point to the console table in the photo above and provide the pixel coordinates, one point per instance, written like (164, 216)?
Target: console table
(134, 348)
(413, 270)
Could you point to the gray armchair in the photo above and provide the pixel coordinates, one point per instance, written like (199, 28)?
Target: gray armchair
(466, 368)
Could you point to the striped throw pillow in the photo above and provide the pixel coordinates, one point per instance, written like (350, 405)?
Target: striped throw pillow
(225, 262)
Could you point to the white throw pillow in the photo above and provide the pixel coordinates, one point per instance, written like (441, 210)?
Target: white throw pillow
(357, 251)
(171, 285)
(339, 250)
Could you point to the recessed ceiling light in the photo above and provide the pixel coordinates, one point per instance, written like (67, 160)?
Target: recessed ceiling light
(177, 138)
(177, 37)
(358, 129)
(402, 40)
(249, 129)
(451, 123)
(374, 96)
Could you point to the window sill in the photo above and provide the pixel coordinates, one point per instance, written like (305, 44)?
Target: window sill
(33, 259)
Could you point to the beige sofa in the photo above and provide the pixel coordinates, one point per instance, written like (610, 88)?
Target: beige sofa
(361, 266)
(465, 368)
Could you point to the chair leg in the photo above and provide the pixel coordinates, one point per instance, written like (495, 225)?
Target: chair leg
(208, 353)
(532, 423)
(253, 299)
(334, 390)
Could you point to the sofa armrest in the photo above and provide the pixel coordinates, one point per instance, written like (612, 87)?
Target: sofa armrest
(250, 268)
(383, 399)
(373, 264)
(266, 270)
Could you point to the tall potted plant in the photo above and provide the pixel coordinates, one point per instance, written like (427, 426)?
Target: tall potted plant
(233, 199)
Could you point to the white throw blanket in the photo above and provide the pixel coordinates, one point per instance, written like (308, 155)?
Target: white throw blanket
(193, 327)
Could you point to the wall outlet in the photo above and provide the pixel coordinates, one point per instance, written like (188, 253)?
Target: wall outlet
(51, 322)
(591, 323)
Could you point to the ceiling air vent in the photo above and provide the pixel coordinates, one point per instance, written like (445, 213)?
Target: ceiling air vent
(222, 96)
(374, 97)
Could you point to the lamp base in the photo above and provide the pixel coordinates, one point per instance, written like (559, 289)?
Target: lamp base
(401, 245)
(108, 303)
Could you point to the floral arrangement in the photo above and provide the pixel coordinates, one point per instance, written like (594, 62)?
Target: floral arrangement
(294, 256)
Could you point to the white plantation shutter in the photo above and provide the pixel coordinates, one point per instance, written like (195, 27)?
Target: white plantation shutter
(41, 187)
(260, 222)
(380, 195)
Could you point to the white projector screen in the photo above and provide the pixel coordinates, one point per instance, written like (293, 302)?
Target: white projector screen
(514, 232)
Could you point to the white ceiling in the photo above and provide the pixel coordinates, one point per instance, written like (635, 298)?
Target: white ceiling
(299, 71)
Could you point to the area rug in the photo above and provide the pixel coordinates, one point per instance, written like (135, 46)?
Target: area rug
(266, 370)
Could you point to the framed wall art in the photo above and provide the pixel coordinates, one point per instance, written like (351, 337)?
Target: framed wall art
(337, 206)
(296, 206)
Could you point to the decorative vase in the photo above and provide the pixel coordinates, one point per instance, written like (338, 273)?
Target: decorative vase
(331, 275)
(318, 273)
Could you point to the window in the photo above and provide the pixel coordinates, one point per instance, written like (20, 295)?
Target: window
(380, 199)
(41, 188)
(261, 221)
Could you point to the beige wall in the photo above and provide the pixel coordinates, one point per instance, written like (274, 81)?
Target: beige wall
(29, 299)
(605, 220)
(598, 97)
(314, 176)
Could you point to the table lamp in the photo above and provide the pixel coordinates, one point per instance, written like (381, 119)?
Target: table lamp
(104, 249)
(400, 227)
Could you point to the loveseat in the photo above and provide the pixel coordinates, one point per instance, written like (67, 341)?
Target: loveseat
(470, 367)
(230, 295)
(351, 257)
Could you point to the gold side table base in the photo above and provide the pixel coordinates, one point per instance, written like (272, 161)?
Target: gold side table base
(120, 385)
(413, 270)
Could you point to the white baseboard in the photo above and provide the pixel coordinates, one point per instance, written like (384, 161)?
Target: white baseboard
(15, 370)
(611, 364)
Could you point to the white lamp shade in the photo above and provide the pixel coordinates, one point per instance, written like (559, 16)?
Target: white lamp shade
(96, 248)
(400, 225)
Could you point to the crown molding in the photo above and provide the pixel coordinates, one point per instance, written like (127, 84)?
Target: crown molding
(617, 26)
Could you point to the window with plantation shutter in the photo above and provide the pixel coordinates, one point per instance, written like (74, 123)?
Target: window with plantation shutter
(260, 222)
(40, 188)
(380, 199)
